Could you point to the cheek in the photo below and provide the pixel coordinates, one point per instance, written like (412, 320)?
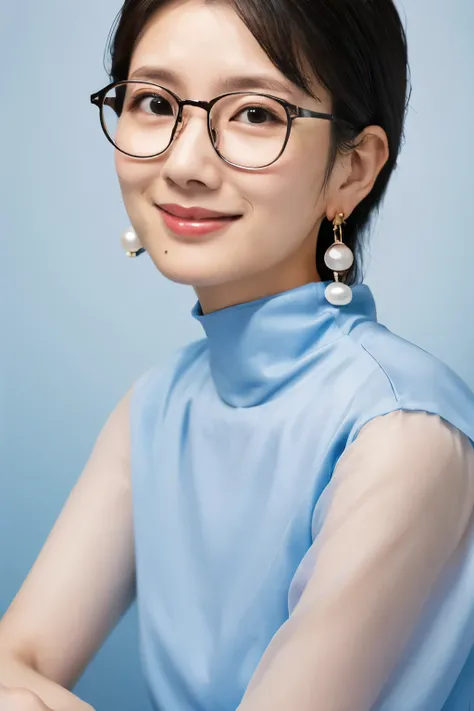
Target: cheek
(300, 193)
(121, 168)
(134, 180)
(127, 179)
(133, 175)
(289, 199)
(299, 174)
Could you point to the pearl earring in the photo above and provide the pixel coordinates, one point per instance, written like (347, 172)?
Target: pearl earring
(338, 258)
(131, 243)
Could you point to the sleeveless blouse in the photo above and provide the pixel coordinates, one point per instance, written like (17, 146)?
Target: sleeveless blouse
(303, 488)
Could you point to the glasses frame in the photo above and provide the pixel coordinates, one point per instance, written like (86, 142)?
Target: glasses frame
(292, 112)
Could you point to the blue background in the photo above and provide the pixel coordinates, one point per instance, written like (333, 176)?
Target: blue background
(80, 322)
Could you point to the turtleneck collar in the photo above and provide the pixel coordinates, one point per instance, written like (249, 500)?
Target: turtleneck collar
(259, 347)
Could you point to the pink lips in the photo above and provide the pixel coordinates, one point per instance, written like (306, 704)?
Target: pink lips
(194, 221)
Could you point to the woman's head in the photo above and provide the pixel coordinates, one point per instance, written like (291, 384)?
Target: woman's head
(342, 57)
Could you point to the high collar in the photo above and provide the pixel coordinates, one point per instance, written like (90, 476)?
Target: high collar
(259, 347)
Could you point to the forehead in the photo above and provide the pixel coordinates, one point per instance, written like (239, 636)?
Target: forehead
(204, 45)
(186, 31)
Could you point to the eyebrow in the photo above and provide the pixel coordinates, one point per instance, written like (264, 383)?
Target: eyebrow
(232, 83)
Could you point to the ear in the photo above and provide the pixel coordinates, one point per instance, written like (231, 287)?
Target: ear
(357, 171)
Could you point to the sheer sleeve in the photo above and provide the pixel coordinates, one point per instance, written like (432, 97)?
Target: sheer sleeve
(400, 501)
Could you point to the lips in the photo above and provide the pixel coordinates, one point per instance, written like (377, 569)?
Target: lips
(194, 222)
(196, 213)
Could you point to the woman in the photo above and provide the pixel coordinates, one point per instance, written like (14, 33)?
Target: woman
(290, 498)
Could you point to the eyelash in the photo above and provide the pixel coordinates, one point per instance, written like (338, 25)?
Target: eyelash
(136, 101)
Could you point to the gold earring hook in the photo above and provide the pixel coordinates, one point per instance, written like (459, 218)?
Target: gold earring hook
(337, 226)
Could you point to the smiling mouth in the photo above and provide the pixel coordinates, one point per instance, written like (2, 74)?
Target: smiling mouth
(193, 227)
(221, 218)
(213, 218)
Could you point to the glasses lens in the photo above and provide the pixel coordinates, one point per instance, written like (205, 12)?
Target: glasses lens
(249, 130)
(139, 118)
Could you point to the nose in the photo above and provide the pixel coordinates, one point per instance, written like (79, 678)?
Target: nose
(191, 160)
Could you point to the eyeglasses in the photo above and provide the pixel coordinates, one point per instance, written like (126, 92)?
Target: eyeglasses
(247, 130)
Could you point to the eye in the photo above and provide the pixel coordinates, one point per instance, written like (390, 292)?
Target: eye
(152, 104)
(258, 115)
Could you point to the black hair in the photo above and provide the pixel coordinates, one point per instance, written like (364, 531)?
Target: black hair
(356, 49)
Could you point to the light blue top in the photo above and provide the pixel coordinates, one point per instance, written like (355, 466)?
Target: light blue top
(233, 443)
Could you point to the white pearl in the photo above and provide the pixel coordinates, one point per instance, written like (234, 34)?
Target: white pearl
(338, 294)
(339, 257)
(130, 241)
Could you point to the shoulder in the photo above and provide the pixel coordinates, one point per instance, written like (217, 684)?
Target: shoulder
(398, 358)
(403, 376)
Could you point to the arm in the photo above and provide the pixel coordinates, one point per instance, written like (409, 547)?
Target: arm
(82, 581)
(401, 499)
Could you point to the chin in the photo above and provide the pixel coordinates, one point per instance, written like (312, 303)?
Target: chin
(192, 272)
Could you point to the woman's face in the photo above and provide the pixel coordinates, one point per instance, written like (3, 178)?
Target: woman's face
(271, 247)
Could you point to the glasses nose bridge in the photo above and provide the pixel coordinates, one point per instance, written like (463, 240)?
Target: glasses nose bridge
(204, 105)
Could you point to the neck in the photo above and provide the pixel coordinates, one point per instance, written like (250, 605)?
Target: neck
(299, 269)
